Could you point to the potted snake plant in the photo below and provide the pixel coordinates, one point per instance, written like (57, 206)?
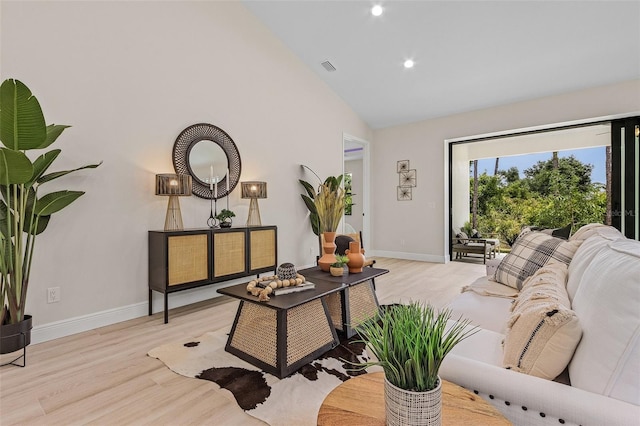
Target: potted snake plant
(24, 211)
(410, 342)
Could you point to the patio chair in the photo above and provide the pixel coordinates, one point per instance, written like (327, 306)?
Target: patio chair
(463, 245)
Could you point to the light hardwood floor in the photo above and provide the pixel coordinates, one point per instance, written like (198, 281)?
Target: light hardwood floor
(104, 376)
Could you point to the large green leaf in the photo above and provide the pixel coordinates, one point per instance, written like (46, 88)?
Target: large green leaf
(310, 204)
(308, 188)
(22, 124)
(42, 163)
(15, 167)
(53, 131)
(43, 221)
(56, 175)
(55, 202)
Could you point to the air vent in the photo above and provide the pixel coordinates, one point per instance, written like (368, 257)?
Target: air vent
(328, 66)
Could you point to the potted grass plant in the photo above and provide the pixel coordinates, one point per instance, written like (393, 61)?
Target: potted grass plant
(326, 206)
(24, 212)
(410, 342)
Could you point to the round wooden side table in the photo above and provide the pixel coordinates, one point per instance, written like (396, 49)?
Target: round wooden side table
(360, 401)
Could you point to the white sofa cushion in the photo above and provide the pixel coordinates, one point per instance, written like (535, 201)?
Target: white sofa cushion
(607, 302)
(484, 346)
(490, 313)
(529, 253)
(543, 331)
(595, 237)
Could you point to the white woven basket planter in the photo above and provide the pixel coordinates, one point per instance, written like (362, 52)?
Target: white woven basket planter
(407, 408)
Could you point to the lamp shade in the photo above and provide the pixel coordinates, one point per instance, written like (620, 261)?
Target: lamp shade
(172, 184)
(254, 189)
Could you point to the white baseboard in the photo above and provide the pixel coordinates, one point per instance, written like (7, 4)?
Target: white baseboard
(409, 256)
(67, 327)
(55, 330)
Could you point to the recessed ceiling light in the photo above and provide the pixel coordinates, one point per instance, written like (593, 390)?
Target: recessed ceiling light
(409, 63)
(377, 10)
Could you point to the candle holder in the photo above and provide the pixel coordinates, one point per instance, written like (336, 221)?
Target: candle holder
(212, 221)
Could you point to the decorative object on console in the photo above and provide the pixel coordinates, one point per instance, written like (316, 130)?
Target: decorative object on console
(355, 254)
(23, 128)
(204, 152)
(224, 218)
(325, 205)
(326, 208)
(337, 268)
(174, 186)
(286, 276)
(412, 384)
(254, 190)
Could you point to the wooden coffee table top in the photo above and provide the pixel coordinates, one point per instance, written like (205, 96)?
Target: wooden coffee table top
(360, 401)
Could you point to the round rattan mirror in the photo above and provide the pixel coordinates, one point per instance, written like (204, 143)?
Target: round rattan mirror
(210, 156)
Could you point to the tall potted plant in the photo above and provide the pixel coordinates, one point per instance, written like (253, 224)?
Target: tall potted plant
(24, 214)
(410, 342)
(326, 206)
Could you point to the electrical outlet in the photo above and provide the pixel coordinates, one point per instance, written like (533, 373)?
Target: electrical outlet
(53, 294)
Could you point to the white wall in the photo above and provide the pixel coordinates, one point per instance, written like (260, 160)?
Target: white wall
(421, 224)
(129, 76)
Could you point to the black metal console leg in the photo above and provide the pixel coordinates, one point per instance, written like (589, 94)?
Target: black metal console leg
(150, 302)
(166, 308)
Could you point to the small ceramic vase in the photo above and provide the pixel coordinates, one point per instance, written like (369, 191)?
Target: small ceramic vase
(356, 257)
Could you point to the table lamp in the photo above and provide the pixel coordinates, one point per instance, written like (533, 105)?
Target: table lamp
(253, 191)
(174, 186)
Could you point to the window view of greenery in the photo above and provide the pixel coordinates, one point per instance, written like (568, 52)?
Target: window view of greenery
(551, 193)
(348, 196)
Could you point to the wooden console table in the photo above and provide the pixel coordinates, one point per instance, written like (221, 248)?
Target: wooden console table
(360, 401)
(180, 260)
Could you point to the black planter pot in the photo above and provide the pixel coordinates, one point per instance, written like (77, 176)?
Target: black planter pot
(14, 337)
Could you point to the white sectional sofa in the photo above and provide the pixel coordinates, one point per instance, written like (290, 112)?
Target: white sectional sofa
(602, 286)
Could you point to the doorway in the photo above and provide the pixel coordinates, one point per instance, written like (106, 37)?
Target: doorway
(356, 168)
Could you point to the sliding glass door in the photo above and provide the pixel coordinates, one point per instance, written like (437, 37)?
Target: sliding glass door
(625, 176)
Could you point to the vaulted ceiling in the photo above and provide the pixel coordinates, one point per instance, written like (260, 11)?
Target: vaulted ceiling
(468, 55)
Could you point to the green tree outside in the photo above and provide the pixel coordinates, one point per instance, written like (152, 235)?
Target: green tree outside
(548, 196)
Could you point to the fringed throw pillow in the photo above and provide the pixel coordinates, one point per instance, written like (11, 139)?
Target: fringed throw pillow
(543, 331)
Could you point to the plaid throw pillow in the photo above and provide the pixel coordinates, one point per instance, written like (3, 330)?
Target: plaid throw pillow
(531, 252)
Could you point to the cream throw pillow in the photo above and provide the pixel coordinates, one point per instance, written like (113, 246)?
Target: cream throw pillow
(543, 331)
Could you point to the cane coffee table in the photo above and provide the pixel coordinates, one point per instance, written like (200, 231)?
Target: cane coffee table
(285, 333)
(356, 301)
(360, 401)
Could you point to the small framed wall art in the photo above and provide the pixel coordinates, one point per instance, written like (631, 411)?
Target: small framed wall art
(404, 193)
(403, 166)
(408, 178)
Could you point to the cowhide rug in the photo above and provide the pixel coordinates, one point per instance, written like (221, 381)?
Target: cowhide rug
(294, 400)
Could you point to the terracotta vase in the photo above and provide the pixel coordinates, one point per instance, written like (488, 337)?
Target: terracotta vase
(329, 250)
(356, 257)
